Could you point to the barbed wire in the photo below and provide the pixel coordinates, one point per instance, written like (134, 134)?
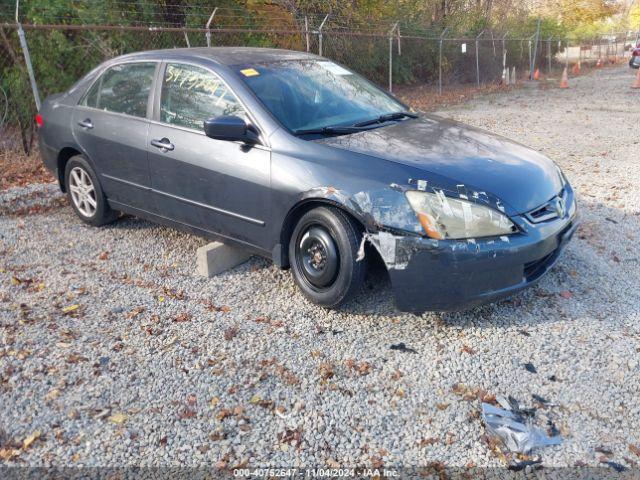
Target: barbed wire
(147, 14)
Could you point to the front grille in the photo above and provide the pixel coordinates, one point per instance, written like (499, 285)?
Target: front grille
(554, 208)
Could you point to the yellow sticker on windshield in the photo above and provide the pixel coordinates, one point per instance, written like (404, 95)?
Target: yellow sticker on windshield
(249, 72)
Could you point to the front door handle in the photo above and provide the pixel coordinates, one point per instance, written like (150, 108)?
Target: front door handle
(163, 144)
(86, 123)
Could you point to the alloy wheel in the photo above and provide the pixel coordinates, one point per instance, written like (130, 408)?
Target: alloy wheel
(83, 192)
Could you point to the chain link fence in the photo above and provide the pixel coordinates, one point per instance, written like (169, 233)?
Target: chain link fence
(62, 53)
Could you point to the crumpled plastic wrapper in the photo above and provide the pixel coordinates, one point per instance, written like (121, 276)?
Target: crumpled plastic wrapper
(516, 436)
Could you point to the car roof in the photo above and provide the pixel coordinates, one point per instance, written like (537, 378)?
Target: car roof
(223, 55)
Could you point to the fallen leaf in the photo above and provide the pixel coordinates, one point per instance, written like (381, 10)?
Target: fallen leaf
(223, 413)
(26, 443)
(104, 255)
(214, 401)
(238, 411)
(332, 463)
(70, 308)
(117, 418)
(52, 395)
(468, 349)
(326, 370)
(634, 449)
(442, 406)
(187, 413)
(364, 368)
(255, 400)
(76, 357)
(428, 441)
(134, 313)
(191, 399)
(230, 333)
(566, 294)
(182, 317)
(8, 453)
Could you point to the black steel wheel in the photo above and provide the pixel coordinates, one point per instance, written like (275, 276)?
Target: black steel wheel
(322, 252)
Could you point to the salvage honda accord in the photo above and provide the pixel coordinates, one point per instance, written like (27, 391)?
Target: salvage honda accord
(305, 162)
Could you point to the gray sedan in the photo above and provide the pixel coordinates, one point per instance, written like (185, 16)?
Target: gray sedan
(303, 161)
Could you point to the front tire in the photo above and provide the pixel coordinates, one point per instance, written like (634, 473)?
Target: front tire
(322, 251)
(85, 193)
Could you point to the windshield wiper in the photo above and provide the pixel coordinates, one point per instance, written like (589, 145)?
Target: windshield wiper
(329, 130)
(387, 117)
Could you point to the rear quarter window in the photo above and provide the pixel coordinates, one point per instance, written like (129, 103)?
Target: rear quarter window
(122, 89)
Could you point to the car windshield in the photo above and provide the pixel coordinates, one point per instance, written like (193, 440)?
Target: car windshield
(312, 94)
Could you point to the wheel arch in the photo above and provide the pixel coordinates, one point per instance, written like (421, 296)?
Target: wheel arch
(281, 251)
(63, 157)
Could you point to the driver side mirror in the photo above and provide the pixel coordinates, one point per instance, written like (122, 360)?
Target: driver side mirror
(231, 128)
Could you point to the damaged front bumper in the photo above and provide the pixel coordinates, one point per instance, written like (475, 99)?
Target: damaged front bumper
(451, 275)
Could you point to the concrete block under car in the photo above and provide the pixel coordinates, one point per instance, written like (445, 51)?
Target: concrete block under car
(216, 257)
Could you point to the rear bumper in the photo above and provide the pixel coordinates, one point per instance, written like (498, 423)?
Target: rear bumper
(457, 275)
(49, 155)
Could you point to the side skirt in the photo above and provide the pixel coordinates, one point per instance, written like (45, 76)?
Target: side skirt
(168, 222)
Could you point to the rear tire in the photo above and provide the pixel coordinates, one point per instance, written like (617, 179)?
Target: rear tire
(85, 193)
(323, 250)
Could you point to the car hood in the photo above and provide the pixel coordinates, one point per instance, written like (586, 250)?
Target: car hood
(519, 176)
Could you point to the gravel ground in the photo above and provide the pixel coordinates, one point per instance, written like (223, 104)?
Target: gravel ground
(113, 352)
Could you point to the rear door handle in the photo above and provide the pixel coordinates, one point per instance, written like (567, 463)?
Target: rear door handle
(163, 144)
(86, 123)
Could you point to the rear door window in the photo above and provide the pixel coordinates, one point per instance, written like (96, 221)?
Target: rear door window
(123, 89)
(190, 95)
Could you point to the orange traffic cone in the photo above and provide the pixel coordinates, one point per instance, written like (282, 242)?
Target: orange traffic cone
(536, 74)
(564, 82)
(636, 84)
(576, 68)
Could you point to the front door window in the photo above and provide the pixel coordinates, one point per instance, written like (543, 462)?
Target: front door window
(190, 95)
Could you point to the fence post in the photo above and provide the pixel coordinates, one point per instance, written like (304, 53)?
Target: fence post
(535, 50)
(208, 34)
(478, 58)
(504, 55)
(444, 32)
(306, 31)
(27, 59)
(549, 51)
(320, 34)
(530, 52)
(395, 25)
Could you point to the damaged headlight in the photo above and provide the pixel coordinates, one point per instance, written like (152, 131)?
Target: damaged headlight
(442, 217)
